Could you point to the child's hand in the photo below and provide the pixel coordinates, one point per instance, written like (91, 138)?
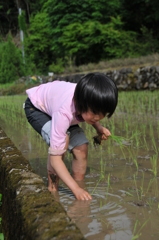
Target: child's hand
(105, 133)
(81, 194)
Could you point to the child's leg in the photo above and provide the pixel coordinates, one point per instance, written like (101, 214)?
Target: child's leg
(78, 146)
(53, 179)
(79, 163)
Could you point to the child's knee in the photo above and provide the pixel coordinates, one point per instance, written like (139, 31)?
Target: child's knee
(80, 151)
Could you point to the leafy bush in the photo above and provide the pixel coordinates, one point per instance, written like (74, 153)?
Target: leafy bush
(93, 41)
(11, 62)
(14, 90)
(57, 67)
(38, 42)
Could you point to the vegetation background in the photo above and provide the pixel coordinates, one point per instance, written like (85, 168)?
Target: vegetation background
(41, 36)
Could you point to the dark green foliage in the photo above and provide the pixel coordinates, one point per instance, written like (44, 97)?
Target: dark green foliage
(140, 13)
(8, 17)
(11, 63)
(81, 31)
(9, 12)
(93, 41)
(38, 43)
(57, 67)
(142, 16)
(63, 13)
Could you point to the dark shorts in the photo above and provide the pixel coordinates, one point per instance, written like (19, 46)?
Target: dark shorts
(35, 117)
(41, 122)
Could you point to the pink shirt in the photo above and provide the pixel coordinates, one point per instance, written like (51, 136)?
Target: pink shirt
(56, 99)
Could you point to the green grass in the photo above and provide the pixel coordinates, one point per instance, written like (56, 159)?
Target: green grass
(6, 85)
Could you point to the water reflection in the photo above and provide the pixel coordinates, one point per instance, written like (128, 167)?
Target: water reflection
(99, 218)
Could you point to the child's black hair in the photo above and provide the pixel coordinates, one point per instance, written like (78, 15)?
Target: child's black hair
(96, 92)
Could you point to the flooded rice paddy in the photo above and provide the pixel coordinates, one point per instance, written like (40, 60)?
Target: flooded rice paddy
(122, 174)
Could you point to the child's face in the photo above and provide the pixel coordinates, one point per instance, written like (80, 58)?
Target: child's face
(92, 118)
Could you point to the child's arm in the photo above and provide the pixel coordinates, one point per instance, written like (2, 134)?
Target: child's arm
(61, 170)
(102, 130)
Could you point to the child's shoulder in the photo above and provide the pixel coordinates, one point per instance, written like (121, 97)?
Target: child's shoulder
(62, 82)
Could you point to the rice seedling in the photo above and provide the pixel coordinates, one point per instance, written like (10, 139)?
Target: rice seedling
(101, 178)
(153, 185)
(139, 190)
(155, 145)
(94, 189)
(117, 139)
(135, 162)
(108, 184)
(138, 233)
(145, 142)
(149, 185)
(154, 160)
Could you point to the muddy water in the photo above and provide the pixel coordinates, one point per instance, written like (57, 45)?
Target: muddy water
(121, 177)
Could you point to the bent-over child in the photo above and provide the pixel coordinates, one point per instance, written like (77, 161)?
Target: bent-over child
(55, 110)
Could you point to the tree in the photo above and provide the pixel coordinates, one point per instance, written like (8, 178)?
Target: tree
(63, 13)
(9, 13)
(93, 41)
(140, 13)
(38, 43)
(142, 16)
(11, 63)
(8, 17)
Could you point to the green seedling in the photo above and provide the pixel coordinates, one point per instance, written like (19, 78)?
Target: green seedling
(137, 233)
(108, 183)
(136, 163)
(118, 139)
(153, 161)
(97, 140)
(140, 189)
(93, 191)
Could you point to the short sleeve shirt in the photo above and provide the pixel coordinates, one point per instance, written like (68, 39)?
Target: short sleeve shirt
(56, 99)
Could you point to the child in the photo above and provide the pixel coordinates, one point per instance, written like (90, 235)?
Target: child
(56, 108)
